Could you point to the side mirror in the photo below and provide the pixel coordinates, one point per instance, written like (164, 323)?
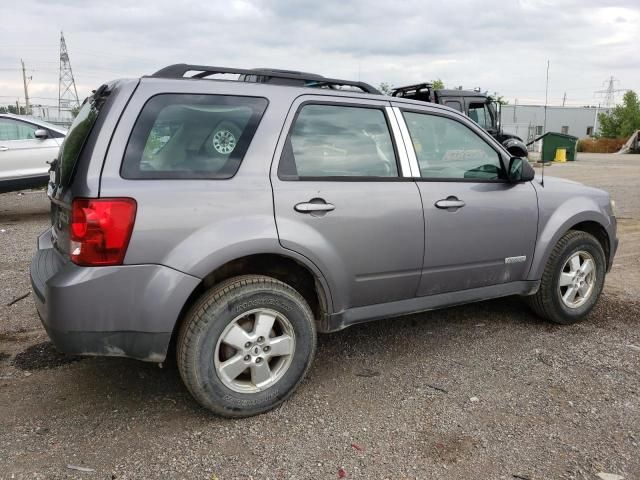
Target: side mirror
(41, 133)
(515, 169)
(520, 170)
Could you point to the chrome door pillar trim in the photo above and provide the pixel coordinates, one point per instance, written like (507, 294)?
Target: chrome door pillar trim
(400, 142)
(406, 137)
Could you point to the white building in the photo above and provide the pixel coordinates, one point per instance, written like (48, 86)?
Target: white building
(528, 121)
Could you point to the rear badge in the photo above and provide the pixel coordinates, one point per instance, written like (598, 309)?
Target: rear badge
(519, 259)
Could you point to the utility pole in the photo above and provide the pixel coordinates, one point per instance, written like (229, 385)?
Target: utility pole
(67, 93)
(26, 90)
(546, 100)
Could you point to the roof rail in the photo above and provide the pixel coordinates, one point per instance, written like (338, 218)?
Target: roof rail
(180, 69)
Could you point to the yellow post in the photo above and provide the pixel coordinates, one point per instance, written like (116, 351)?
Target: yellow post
(561, 155)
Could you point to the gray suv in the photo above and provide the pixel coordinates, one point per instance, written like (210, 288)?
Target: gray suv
(234, 219)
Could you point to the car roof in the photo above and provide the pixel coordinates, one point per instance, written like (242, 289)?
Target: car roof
(172, 84)
(35, 121)
(177, 72)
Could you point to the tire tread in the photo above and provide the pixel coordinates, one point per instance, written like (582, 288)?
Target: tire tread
(222, 293)
(542, 302)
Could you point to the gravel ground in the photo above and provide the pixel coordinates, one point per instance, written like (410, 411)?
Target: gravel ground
(484, 391)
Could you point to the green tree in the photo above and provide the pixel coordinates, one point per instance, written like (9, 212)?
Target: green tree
(500, 99)
(623, 119)
(437, 84)
(11, 108)
(385, 88)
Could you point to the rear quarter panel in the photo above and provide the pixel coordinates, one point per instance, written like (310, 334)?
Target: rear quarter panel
(196, 226)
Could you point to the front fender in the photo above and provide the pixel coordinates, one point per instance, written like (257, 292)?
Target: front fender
(554, 223)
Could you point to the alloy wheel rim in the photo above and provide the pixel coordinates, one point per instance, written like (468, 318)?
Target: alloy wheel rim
(577, 279)
(224, 141)
(254, 351)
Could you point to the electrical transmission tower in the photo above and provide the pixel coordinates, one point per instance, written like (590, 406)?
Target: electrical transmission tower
(609, 93)
(67, 93)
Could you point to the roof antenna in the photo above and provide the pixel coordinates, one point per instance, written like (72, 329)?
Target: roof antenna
(544, 128)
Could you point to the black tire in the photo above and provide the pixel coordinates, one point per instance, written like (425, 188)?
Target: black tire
(206, 321)
(547, 301)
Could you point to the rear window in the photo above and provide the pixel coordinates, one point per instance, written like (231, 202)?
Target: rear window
(191, 136)
(76, 137)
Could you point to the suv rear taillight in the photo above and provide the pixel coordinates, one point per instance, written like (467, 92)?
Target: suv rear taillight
(100, 230)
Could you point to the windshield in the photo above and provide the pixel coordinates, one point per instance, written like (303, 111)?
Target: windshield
(76, 137)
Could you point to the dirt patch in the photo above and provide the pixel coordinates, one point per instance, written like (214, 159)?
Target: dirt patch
(452, 449)
(4, 356)
(9, 337)
(41, 357)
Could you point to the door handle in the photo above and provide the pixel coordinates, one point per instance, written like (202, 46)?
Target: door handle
(3, 148)
(308, 207)
(450, 202)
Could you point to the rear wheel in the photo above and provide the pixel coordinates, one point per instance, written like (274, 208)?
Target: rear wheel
(572, 280)
(246, 345)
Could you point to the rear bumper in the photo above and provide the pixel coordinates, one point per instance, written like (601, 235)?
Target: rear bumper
(124, 311)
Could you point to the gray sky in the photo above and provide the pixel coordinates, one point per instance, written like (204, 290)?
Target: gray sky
(499, 45)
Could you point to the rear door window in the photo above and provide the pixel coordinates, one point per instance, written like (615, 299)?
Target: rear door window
(338, 141)
(191, 136)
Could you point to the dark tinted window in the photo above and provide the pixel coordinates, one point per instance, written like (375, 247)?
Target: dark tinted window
(192, 136)
(76, 137)
(339, 141)
(455, 104)
(448, 149)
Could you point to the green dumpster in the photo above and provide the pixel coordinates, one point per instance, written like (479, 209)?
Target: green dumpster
(553, 145)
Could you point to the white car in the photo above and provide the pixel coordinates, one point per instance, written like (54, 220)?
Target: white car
(26, 145)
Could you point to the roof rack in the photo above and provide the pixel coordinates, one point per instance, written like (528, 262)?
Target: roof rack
(267, 76)
(398, 91)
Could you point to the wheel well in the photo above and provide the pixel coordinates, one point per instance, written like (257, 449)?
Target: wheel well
(280, 267)
(598, 231)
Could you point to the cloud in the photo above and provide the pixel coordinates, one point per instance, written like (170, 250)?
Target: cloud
(498, 45)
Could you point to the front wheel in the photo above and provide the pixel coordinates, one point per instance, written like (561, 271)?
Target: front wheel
(572, 280)
(246, 345)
